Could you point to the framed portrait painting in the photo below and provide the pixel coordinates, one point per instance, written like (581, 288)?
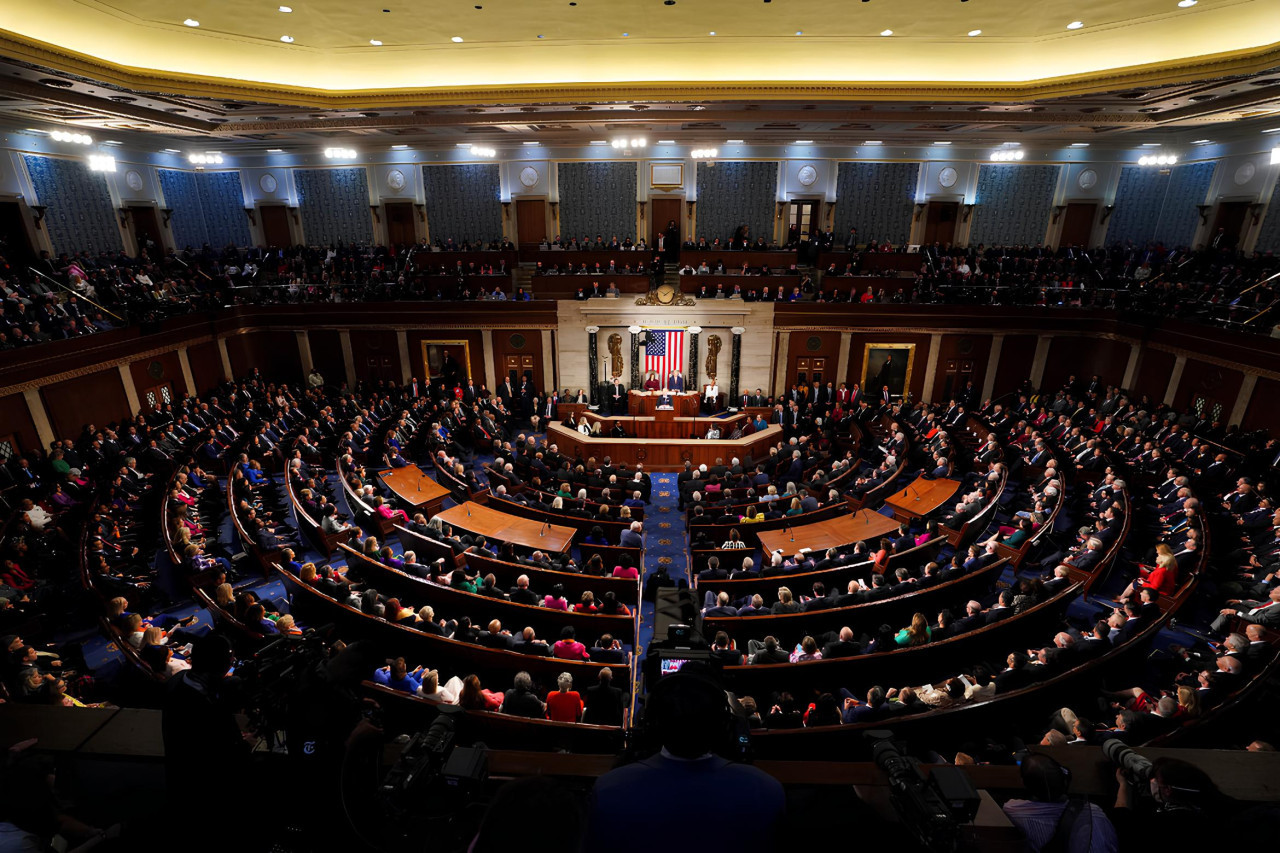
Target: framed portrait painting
(889, 366)
(447, 361)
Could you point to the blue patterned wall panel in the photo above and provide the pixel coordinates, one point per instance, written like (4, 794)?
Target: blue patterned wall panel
(1188, 187)
(876, 198)
(182, 196)
(733, 193)
(80, 214)
(222, 204)
(334, 205)
(463, 202)
(1269, 236)
(1139, 198)
(1013, 204)
(598, 198)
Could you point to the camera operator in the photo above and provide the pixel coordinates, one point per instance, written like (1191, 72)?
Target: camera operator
(686, 791)
(1185, 810)
(1051, 819)
(205, 753)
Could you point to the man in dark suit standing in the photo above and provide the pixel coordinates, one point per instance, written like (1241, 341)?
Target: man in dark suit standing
(617, 397)
(675, 382)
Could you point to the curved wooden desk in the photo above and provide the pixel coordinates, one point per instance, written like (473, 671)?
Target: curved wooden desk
(663, 454)
(645, 404)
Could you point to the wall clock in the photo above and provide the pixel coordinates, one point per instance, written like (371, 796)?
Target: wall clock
(528, 176)
(948, 177)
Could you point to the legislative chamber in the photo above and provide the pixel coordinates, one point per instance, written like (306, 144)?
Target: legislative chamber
(617, 426)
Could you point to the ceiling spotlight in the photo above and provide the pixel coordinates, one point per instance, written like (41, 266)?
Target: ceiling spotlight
(456, 39)
(480, 151)
(733, 141)
(804, 142)
(973, 33)
(1079, 145)
(191, 22)
(71, 136)
(873, 142)
(340, 153)
(102, 163)
(287, 39)
(886, 32)
(529, 143)
(275, 150)
(1201, 141)
(626, 35)
(799, 32)
(375, 42)
(286, 9)
(943, 142)
(704, 153)
(399, 147)
(204, 159)
(1075, 25)
(666, 142)
(713, 32)
(1006, 155)
(1187, 4)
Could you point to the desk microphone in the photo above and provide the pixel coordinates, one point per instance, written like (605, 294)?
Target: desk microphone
(468, 509)
(542, 531)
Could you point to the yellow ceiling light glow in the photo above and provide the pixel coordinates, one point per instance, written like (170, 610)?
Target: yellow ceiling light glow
(133, 43)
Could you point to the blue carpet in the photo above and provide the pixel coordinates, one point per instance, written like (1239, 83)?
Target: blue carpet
(666, 545)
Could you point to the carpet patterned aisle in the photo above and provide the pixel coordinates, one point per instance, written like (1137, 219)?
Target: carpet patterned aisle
(665, 545)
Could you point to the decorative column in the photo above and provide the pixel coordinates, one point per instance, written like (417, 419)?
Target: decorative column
(635, 357)
(691, 370)
(593, 364)
(735, 364)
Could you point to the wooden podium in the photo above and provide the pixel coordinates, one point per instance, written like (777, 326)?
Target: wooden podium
(684, 404)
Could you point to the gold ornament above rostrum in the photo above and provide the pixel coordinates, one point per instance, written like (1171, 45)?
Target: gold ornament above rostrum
(666, 295)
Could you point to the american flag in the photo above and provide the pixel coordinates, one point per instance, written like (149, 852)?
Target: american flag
(665, 352)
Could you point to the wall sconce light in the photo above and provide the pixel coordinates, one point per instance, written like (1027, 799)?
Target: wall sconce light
(248, 211)
(167, 213)
(1204, 212)
(919, 210)
(1057, 212)
(124, 217)
(1255, 211)
(39, 211)
(373, 208)
(422, 211)
(968, 211)
(1107, 211)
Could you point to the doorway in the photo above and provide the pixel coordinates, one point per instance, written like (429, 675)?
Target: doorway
(15, 242)
(400, 229)
(531, 221)
(275, 226)
(1077, 226)
(664, 210)
(146, 228)
(1229, 224)
(807, 370)
(940, 222)
(516, 367)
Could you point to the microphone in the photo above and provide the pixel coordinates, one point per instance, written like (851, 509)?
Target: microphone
(543, 529)
(468, 509)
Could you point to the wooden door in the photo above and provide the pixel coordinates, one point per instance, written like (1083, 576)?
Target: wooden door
(146, 230)
(1228, 224)
(957, 372)
(806, 370)
(662, 211)
(275, 226)
(518, 365)
(400, 229)
(157, 396)
(1077, 227)
(531, 221)
(940, 221)
(14, 238)
(803, 219)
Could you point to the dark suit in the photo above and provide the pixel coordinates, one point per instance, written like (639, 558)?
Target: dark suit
(603, 705)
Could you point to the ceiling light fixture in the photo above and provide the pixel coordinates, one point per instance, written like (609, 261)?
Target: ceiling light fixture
(286, 9)
(1004, 156)
(626, 35)
(666, 142)
(623, 142)
(529, 143)
(479, 151)
(599, 142)
(973, 33)
(1150, 145)
(401, 147)
(1187, 4)
(102, 163)
(204, 159)
(799, 32)
(112, 142)
(340, 153)
(275, 150)
(170, 151)
(375, 42)
(713, 32)
(886, 32)
(456, 39)
(191, 22)
(1272, 130)
(873, 142)
(944, 142)
(704, 153)
(1075, 25)
(287, 39)
(1201, 141)
(1079, 145)
(69, 136)
(1157, 160)
(804, 142)
(733, 141)
(1275, 156)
